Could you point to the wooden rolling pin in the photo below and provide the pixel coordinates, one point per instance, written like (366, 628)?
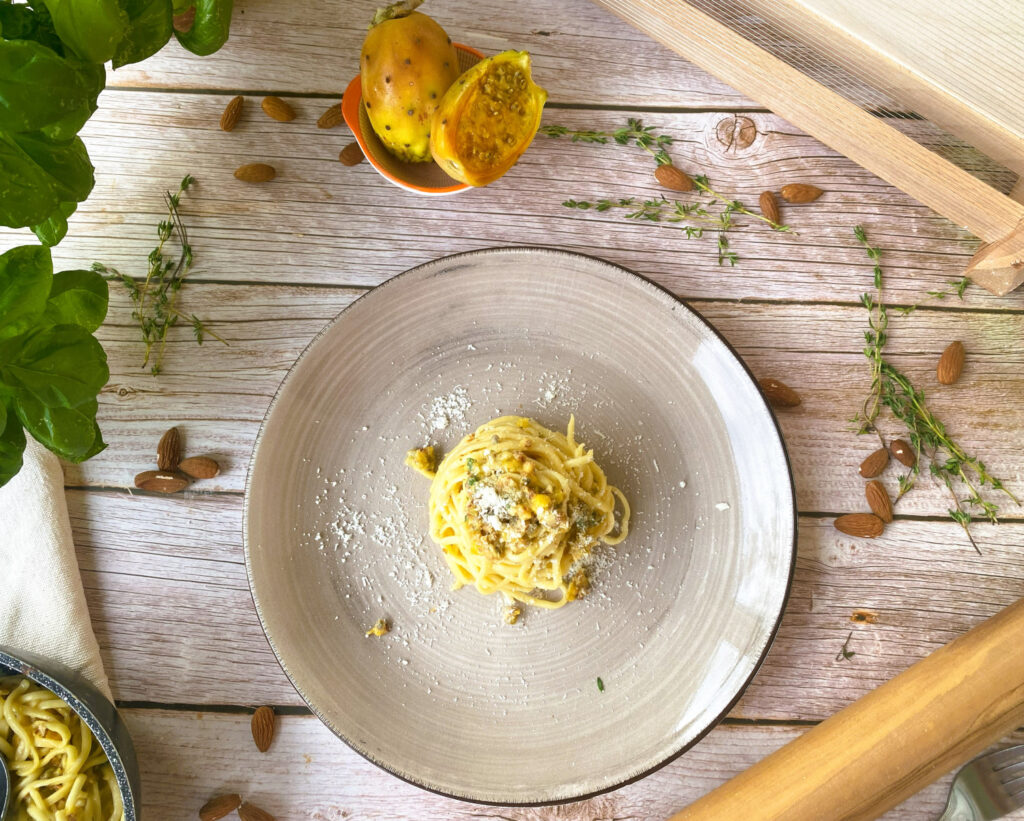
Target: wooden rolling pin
(891, 743)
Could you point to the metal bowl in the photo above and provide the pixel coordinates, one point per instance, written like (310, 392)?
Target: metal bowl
(99, 714)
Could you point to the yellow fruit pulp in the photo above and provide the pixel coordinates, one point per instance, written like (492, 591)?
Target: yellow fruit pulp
(487, 119)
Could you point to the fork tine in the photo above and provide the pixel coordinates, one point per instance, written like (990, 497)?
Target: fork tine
(1007, 757)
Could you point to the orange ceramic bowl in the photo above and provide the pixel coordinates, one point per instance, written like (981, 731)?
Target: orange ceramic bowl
(421, 177)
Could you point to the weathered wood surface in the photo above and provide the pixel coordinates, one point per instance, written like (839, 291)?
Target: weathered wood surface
(322, 223)
(169, 594)
(308, 774)
(220, 394)
(165, 578)
(581, 53)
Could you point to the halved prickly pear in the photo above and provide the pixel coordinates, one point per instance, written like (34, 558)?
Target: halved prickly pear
(487, 119)
(407, 64)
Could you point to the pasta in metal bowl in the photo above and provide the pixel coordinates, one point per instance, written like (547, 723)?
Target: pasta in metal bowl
(58, 770)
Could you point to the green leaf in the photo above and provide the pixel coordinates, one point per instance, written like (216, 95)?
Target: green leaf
(39, 87)
(210, 29)
(12, 445)
(68, 432)
(63, 366)
(70, 124)
(91, 28)
(25, 274)
(66, 161)
(77, 298)
(150, 29)
(22, 22)
(51, 231)
(38, 174)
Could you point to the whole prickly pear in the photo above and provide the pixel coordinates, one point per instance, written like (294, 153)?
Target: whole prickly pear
(407, 64)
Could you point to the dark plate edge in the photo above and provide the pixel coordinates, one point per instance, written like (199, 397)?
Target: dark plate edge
(454, 259)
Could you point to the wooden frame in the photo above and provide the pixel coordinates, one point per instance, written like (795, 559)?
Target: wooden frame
(994, 217)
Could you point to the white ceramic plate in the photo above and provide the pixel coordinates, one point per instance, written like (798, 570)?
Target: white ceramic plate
(680, 615)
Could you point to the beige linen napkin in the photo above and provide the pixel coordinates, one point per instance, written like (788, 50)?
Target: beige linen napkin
(42, 603)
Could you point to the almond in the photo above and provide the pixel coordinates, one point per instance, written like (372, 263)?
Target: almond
(779, 394)
(874, 464)
(232, 113)
(250, 812)
(800, 192)
(160, 481)
(220, 806)
(199, 467)
(951, 363)
(278, 109)
(255, 172)
(861, 525)
(351, 154)
(770, 208)
(263, 728)
(878, 500)
(673, 178)
(903, 451)
(168, 451)
(331, 117)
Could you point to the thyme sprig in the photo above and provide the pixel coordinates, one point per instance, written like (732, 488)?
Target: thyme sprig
(696, 215)
(735, 206)
(154, 297)
(955, 286)
(875, 337)
(692, 218)
(635, 133)
(845, 653)
(964, 475)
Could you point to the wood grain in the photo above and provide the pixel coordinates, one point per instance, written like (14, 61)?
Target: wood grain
(309, 774)
(218, 395)
(831, 118)
(171, 606)
(886, 746)
(164, 576)
(979, 117)
(581, 53)
(322, 223)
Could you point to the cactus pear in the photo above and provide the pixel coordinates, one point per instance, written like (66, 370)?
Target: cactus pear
(487, 119)
(407, 64)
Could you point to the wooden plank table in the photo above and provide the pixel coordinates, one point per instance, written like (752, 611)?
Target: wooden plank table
(164, 575)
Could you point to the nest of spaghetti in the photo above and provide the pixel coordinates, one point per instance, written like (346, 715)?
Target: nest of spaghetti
(518, 509)
(58, 770)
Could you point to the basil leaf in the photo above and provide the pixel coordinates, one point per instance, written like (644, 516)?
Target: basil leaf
(210, 29)
(23, 22)
(68, 432)
(39, 87)
(12, 445)
(77, 298)
(66, 161)
(25, 274)
(91, 28)
(97, 444)
(37, 175)
(150, 29)
(52, 230)
(62, 366)
(70, 124)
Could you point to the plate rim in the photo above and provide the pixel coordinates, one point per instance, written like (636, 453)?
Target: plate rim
(772, 635)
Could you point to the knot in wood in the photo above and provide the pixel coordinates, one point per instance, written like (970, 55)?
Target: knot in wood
(735, 133)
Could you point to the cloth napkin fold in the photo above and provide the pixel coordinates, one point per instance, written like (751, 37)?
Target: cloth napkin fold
(42, 602)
